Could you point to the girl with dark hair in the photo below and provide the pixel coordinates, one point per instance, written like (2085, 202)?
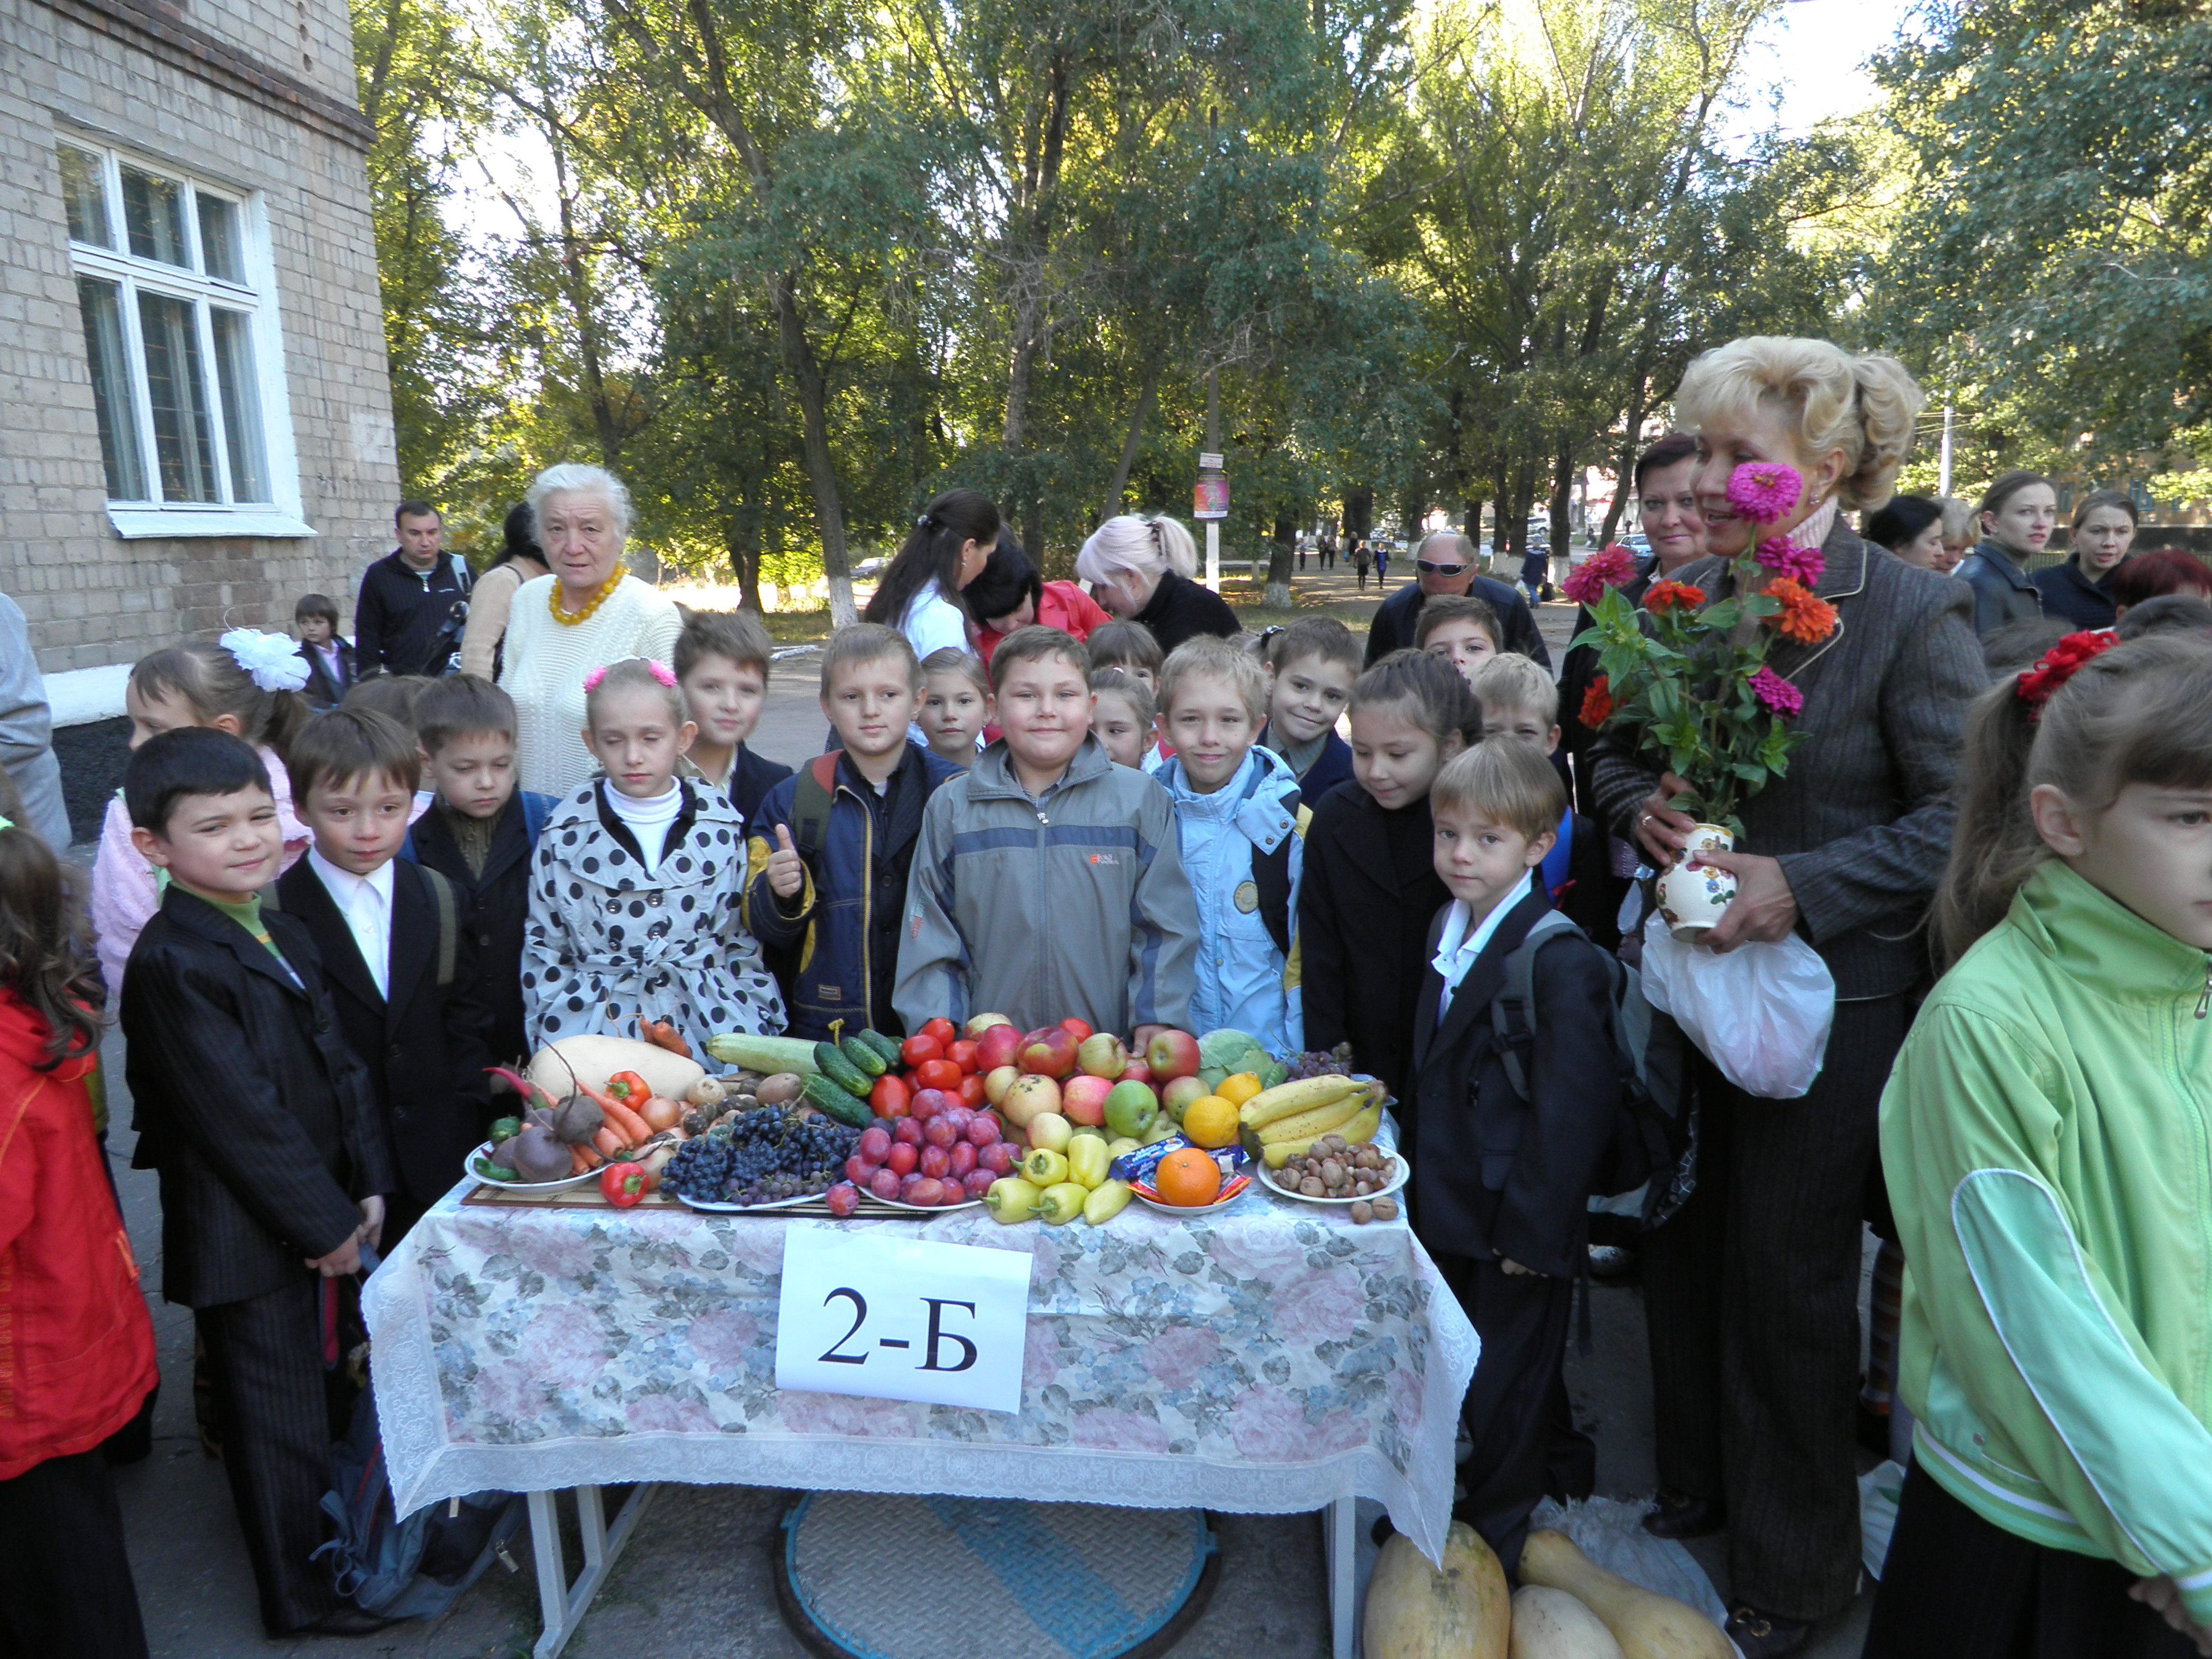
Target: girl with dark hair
(1911, 526)
(2154, 575)
(947, 549)
(519, 561)
(74, 1337)
(2079, 591)
(1009, 594)
(2016, 514)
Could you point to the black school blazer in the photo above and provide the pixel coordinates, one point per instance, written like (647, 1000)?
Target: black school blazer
(424, 1049)
(247, 1101)
(1494, 1175)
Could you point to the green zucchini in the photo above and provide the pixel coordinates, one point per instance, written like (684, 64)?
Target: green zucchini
(834, 1102)
(841, 1071)
(884, 1046)
(863, 1055)
(766, 1054)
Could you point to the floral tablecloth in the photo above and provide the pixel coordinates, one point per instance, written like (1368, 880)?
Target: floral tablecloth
(1268, 1358)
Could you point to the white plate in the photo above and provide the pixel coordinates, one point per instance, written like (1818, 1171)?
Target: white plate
(749, 1209)
(933, 1209)
(1396, 1182)
(1161, 1204)
(469, 1168)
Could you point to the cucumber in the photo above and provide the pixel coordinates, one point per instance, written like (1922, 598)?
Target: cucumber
(766, 1054)
(834, 1102)
(862, 1055)
(886, 1047)
(841, 1071)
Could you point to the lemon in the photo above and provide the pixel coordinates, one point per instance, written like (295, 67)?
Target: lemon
(1209, 1122)
(1239, 1089)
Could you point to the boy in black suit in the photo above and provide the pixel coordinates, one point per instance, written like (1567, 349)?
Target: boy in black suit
(330, 658)
(479, 835)
(402, 970)
(272, 1157)
(1501, 1183)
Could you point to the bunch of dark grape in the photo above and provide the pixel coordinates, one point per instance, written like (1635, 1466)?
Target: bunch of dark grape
(760, 1156)
(1316, 1063)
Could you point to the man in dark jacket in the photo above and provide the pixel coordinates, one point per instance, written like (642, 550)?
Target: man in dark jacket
(272, 1159)
(413, 601)
(1446, 565)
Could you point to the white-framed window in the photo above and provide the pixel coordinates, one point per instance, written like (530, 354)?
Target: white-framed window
(178, 298)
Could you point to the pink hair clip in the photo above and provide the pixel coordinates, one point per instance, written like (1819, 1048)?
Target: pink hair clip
(662, 672)
(592, 680)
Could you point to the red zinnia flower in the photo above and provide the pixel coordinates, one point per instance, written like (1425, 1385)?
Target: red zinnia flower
(1665, 596)
(1611, 567)
(1803, 617)
(1597, 704)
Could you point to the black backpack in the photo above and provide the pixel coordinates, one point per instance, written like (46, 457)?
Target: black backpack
(1650, 1164)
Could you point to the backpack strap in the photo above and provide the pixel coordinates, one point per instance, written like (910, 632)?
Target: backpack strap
(1271, 874)
(449, 922)
(1513, 1010)
(810, 804)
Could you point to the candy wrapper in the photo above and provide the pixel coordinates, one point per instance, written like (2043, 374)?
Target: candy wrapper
(1136, 1168)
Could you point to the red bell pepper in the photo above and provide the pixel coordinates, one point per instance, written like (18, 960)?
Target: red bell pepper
(629, 1088)
(623, 1184)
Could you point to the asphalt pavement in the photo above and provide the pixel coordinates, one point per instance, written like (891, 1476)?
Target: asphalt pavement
(696, 1580)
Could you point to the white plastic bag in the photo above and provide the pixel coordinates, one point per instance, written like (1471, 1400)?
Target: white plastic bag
(1879, 1488)
(1760, 1012)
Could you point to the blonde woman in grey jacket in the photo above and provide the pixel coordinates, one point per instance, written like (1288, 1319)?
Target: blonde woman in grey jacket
(1047, 882)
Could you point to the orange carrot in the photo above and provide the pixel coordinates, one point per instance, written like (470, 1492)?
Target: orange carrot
(626, 1123)
(607, 1141)
(576, 1164)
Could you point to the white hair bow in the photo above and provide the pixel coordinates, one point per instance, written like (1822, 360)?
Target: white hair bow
(271, 661)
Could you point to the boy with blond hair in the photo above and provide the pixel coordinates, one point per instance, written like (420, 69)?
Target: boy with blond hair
(1238, 823)
(829, 852)
(1049, 882)
(1521, 700)
(1508, 1139)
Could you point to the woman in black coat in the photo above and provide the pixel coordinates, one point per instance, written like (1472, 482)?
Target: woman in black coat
(2080, 592)
(1140, 570)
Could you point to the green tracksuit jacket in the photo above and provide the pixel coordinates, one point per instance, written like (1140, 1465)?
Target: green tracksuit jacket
(2047, 1136)
(1073, 904)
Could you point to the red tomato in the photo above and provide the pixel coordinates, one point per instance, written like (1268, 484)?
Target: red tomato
(942, 1030)
(971, 1090)
(916, 1049)
(1077, 1026)
(962, 1055)
(938, 1074)
(890, 1097)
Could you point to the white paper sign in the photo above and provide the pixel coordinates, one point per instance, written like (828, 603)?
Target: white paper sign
(893, 1320)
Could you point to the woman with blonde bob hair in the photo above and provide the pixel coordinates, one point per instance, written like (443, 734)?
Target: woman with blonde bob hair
(1752, 1291)
(589, 612)
(1140, 570)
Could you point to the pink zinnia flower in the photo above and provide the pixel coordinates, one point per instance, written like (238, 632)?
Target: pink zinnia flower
(1776, 695)
(1785, 558)
(1610, 567)
(1765, 491)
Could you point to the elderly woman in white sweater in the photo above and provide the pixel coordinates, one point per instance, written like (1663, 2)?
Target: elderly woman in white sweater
(588, 613)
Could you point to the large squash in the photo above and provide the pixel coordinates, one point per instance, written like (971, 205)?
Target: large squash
(1549, 1624)
(1647, 1625)
(1414, 1611)
(596, 1058)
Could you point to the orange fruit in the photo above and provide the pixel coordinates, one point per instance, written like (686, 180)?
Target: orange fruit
(1210, 1120)
(1188, 1178)
(1239, 1089)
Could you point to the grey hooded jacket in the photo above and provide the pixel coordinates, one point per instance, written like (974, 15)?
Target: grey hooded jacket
(1074, 904)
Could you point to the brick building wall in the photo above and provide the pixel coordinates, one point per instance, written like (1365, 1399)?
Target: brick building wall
(255, 96)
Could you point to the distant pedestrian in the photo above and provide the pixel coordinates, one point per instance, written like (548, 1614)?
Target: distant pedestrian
(1301, 555)
(414, 601)
(1360, 560)
(1381, 564)
(1328, 550)
(1536, 573)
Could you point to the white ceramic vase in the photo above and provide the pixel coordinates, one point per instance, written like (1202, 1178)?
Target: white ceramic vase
(1690, 899)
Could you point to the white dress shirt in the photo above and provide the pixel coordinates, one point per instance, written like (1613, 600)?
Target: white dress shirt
(365, 902)
(1458, 945)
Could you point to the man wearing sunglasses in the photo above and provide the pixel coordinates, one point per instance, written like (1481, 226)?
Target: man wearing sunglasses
(1445, 564)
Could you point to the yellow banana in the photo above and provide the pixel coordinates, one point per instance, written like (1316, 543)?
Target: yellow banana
(1359, 1127)
(1315, 1120)
(1285, 1099)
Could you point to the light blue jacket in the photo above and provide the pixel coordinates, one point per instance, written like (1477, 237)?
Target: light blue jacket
(1243, 980)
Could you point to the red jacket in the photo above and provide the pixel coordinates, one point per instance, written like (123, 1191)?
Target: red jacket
(76, 1348)
(1063, 606)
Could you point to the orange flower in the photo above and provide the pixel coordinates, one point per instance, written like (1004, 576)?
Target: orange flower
(1803, 617)
(1597, 704)
(1664, 595)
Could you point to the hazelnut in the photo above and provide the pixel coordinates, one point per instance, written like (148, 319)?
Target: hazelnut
(1363, 1213)
(1386, 1209)
(1311, 1186)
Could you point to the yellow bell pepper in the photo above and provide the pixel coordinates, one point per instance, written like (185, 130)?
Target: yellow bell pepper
(1087, 1158)
(1062, 1203)
(1010, 1199)
(1107, 1200)
(1044, 1168)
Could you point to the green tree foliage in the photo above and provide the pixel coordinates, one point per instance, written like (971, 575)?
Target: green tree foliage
(2053, 269)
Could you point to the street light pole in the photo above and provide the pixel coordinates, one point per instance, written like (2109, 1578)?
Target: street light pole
(1213, 445)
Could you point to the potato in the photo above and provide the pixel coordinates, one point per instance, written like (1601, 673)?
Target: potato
(780, 1089)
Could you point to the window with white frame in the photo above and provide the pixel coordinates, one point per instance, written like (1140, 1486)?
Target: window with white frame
(173, 282)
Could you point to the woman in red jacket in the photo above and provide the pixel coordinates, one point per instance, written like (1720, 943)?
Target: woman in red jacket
(76, 1347)
(1009, 595)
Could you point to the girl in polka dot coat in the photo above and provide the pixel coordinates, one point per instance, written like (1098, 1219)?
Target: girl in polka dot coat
(635, 889)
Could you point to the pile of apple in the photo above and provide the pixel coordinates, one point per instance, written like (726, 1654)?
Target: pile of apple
(1088, 1077)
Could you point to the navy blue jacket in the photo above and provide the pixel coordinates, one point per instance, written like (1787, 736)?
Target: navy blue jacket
(2069, 596)
(1331, 767)
(493, 906)
(835, 948)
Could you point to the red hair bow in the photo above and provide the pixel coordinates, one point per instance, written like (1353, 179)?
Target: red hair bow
(2057, 665)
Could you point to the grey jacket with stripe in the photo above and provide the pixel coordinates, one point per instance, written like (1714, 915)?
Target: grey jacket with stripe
(1074, 904)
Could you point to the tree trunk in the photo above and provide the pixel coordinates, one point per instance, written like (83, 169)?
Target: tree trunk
(741, 540)
(1278, 595)
(1138, 417)
(1623, 481)
(1563, 488)
(1359, 510)
(814, 431)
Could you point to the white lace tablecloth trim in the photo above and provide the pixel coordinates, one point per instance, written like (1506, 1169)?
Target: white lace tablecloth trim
(1268, 1360)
